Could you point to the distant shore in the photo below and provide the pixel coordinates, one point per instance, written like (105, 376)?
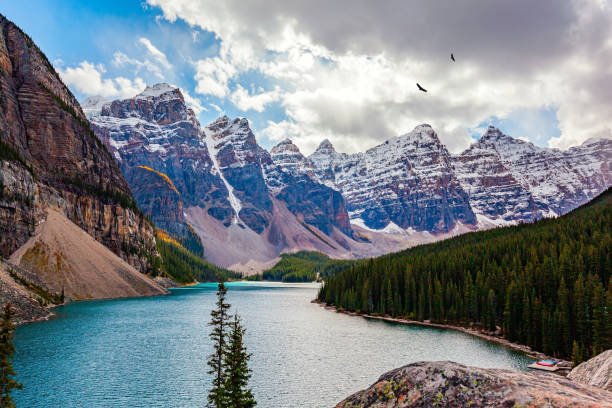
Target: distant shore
(496, 339)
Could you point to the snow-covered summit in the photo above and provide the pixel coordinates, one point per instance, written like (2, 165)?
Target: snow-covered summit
(325, 147)
(595, 140)
(157, 90)
(92, 105)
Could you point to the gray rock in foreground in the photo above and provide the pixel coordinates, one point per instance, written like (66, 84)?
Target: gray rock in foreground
(448, 384)
(596, 371)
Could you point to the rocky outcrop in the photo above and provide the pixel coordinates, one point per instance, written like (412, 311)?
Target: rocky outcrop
(51, 157)
(596, 371)
(448, 384)
(28, 302)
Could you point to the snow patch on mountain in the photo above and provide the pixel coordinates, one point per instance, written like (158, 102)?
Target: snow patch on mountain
(214, 150)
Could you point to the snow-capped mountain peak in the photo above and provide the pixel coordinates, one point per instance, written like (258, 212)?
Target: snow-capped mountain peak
(157, 90)
(285, 145)
(325, 146)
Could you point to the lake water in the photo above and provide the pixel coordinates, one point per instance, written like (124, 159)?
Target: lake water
(152, 352)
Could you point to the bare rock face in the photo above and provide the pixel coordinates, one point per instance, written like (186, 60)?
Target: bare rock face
(596, 371)
(291, 177)
(51, 157)
(448, 384)
(159, 199)
(408, 180)
(27, 305)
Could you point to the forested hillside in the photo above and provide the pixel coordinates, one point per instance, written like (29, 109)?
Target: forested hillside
(182, 265)
(304, 266)
(546, 284)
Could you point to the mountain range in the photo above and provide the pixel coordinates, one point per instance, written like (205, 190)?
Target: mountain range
(247, 205)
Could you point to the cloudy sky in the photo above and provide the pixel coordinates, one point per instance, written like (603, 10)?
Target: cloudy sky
(346, 69)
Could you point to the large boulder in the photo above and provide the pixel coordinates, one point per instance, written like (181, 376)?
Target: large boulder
(448, 384)
(596, 371)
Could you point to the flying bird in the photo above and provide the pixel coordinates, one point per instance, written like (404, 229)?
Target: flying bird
(421, 88)
(452, 57)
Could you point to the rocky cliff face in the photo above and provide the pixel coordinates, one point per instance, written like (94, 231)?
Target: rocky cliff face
(51, 157)
(448, 384)
(408, 181)
(159, 199)
(596, 371)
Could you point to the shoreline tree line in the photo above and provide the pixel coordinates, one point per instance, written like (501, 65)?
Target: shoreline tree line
(547, 285)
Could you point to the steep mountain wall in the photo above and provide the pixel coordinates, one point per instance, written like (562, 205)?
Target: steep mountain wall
(51, 157)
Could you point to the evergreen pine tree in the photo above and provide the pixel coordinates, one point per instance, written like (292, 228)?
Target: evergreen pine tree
(492, 303)
(7, 381)
(237, 372)
(576, 354)
(220, 320)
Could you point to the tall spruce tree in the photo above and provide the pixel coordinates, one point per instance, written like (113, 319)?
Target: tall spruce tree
(237, 372)
(220, 322)
(7, 373)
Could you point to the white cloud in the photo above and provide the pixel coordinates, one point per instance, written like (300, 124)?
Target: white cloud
(159, 56)
(87, 79)
(347, 69)
(212, 76)
(216, 107)
(120, 59)
(153, 61)
(245, 101)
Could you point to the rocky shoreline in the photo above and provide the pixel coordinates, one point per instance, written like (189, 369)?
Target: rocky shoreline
(448, 384)
(566, 365)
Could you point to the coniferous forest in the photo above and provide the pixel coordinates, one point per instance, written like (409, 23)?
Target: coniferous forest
(547, 284)
(183, 266)
(304, 266)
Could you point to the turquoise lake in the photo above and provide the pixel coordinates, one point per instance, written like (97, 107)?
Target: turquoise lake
(152, 352)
